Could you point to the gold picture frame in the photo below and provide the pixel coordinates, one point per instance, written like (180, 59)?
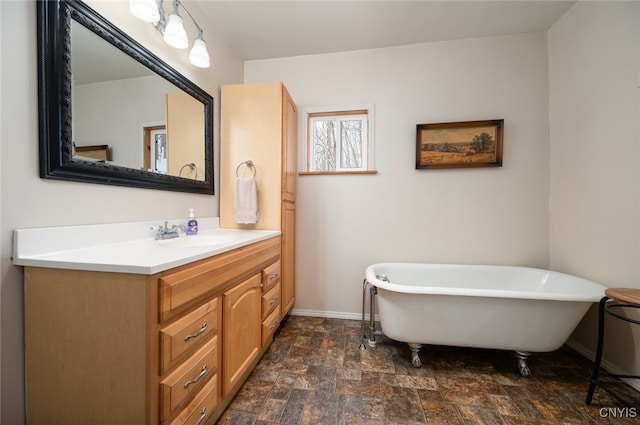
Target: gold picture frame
(465, 144)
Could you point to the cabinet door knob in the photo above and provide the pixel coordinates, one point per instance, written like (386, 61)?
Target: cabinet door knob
(197, 334)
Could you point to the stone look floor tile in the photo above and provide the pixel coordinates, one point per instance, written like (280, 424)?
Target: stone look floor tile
(315, 373)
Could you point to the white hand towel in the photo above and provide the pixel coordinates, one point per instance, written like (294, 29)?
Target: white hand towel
(246, 200)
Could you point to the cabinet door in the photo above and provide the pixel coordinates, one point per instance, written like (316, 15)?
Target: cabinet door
(289, 140)
(242, 324)
(287, 259)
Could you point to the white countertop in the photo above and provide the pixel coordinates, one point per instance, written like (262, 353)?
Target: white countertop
(126, 247)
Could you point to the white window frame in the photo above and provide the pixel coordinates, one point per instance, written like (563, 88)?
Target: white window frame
(364, 112)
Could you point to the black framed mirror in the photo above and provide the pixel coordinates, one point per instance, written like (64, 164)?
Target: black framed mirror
(88, 134)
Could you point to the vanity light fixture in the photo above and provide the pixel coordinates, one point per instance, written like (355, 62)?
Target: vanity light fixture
(172, 28)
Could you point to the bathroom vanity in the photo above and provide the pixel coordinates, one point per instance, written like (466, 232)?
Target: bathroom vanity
(170, 341)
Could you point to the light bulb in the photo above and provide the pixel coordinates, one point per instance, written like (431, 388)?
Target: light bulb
(199, 56)
(174, 33)
(145, 10)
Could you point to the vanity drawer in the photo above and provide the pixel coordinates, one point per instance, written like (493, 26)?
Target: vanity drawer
(184, 287)
(270, 301)
(201, 407)
(188, 378)
(270, 324)
(270, 276)
(182, 337)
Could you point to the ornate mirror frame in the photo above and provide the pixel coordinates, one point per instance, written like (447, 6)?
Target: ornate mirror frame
(55, 97)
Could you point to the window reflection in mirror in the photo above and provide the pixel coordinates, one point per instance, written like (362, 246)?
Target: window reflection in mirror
(145, 122)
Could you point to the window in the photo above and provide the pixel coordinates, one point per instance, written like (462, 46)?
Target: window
(339, 140)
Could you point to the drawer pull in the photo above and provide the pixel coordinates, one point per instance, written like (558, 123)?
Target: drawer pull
(197, 334)
(273, 301)
(203, 415)
(274, 325)
(274, 276)
(197, 378)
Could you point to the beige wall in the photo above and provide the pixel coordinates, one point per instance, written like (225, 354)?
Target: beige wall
(489, 215)
(28, 201)
(594, 68)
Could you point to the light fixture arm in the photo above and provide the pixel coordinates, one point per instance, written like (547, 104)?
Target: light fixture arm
(161, 24)
(190, 15)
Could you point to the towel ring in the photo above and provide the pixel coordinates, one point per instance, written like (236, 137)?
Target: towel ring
(249, 164)
(192, 166)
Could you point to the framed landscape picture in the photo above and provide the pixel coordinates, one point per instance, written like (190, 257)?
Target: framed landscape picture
(466, 144)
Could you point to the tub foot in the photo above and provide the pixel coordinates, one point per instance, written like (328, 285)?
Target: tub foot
(522, 363)
(415, 354)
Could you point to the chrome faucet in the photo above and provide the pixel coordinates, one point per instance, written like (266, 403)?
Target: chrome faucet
(166, 232)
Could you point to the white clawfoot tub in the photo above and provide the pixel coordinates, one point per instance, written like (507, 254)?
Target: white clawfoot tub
(499, 307)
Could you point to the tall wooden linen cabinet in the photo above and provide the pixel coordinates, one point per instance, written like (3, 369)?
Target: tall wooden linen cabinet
(258, 124)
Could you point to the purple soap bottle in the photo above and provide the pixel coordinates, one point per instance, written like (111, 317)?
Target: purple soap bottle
(192, 224)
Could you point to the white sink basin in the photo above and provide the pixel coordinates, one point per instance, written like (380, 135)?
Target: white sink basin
(199, 241)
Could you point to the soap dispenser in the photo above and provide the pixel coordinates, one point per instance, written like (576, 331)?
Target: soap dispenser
(192, 224)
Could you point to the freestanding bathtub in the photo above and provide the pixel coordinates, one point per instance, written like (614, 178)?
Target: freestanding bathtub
(500, 307)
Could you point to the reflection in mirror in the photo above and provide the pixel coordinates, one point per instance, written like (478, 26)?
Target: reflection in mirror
(136, 121)
(116, 99)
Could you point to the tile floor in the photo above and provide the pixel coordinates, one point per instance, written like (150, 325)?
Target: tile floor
(315, 373)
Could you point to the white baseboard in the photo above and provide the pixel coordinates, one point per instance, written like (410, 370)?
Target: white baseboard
(330, 314)
(608, 366)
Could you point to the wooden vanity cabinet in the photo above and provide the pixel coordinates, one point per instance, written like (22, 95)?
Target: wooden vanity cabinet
(119, 348)
(259, 123)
